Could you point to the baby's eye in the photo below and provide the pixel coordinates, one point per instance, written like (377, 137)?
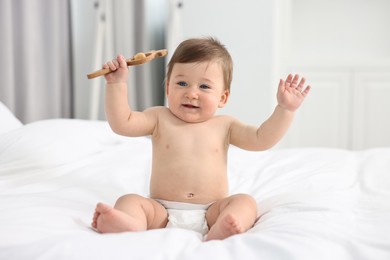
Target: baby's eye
(182, 83)
(204, 86)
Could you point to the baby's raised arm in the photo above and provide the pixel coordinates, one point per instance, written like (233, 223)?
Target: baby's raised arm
(122, 119)
(290, 96)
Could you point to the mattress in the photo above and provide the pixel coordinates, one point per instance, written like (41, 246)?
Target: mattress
(314, 203)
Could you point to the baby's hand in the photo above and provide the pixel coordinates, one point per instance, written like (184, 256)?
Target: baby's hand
(291, 94)
(119, 70)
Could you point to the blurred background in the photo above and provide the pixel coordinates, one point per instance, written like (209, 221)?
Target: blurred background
(48, 47)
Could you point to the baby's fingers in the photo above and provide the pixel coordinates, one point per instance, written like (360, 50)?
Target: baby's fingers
(121, 61)
(111, 65)
(115, 64)
(301, 84)
(281, 86)
(306, 91)
(288, 80)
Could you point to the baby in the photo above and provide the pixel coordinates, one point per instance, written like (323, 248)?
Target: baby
(189, 185)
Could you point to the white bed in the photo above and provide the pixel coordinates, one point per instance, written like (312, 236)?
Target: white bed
(314, 203)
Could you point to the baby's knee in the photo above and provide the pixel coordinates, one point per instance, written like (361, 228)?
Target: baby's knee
(245, 199)
(130, 198)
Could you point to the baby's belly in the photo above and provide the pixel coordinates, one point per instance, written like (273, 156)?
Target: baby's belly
(189, 186)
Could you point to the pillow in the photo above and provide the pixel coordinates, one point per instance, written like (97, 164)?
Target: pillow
(8, 121)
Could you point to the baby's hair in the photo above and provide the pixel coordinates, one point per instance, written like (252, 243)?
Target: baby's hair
(201, 50)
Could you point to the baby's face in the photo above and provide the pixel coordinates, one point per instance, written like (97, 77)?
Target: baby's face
(196, 90)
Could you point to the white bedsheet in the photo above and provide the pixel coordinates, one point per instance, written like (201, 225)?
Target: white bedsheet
(314, 203)
(8, 121)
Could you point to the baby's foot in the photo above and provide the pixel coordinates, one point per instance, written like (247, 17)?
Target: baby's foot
(225, 227)
(109, 220)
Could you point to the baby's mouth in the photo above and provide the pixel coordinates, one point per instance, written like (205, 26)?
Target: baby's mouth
(189, 106)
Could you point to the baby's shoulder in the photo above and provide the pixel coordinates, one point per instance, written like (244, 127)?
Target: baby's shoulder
(228, 122)
(161, 113)
(224, 118)
(156, 110)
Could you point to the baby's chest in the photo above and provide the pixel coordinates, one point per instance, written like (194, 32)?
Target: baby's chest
(193, 137)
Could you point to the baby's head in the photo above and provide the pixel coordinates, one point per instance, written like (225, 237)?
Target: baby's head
(203, 50)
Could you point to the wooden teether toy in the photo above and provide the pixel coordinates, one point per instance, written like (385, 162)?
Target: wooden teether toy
(138, 59)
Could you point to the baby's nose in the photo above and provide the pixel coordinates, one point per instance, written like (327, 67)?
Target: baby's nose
(192, 94)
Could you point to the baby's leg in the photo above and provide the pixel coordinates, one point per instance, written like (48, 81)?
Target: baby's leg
(230, 216)
(131, 213)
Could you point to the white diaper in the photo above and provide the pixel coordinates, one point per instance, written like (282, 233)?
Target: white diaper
(186, 215)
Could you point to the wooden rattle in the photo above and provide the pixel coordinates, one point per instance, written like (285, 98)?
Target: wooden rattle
(138, 59)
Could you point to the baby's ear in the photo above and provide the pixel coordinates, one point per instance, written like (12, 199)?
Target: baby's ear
(224, 98)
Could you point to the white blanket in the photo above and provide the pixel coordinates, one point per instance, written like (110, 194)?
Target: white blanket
(314, 203)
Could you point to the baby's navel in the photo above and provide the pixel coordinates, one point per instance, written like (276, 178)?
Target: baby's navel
(190, 195)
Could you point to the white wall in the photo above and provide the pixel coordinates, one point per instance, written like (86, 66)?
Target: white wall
(339, 32)
(342, 47)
